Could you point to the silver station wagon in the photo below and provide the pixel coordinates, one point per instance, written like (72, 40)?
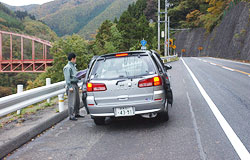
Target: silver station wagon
(128, 84)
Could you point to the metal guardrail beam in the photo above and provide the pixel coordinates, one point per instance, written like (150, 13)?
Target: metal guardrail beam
(168, 57)
(18, 101)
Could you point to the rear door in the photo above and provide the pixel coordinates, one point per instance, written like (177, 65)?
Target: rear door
(121, 76)
(169, 93)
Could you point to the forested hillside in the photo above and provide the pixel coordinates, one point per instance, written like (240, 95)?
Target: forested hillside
(113, 11)
(22, 22)
(27, 8)
(66, 17)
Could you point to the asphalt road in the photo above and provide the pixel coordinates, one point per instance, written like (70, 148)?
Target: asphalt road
(192, 132)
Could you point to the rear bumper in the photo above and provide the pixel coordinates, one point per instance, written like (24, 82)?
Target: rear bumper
(140, 108)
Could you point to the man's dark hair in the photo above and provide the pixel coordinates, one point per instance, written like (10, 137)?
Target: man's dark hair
(71, 55)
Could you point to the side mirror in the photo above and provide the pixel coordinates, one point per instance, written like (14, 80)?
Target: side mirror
(167, 66)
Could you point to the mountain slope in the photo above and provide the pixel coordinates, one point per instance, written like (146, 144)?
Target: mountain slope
(27, 8)
(70, 18)
(66, 17)
(113, 10)
(10, 22)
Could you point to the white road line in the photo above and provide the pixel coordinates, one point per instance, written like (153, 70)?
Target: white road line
(248, 75)
(228, 68)
(230, 61)
(198, 137)
(231, 135)
(204, 60)
(213, 64)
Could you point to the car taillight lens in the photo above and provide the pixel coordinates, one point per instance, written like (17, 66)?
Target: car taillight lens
(95, 87)
(121, 54)
(155, 81)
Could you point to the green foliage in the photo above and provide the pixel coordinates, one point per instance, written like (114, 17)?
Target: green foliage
(22, 14)
(81, 16)
(8, 19)
(22, 22)
(11, 80)
(38, 29)
(114, 10)
(5, 91)
(60, 50)
(134, 26)
(108, 39)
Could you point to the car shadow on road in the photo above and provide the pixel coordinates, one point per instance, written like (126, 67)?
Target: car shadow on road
(134, 123)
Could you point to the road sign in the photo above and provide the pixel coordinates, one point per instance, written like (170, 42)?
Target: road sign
(183, 50)
(200, 48)
(143, 43)
(171, 42)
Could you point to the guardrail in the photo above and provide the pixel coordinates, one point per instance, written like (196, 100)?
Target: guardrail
(167, 58)
(21, 100)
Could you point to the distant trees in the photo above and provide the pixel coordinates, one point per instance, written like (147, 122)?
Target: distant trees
(9, 82)
(198, 13)
(108, 39)
(134, 26)
(5, 91)
(22, 14)
(60, 50)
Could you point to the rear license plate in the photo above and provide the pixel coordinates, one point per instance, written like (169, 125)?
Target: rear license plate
(124, 111)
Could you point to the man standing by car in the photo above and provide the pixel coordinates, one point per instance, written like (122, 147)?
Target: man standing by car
(72, 90)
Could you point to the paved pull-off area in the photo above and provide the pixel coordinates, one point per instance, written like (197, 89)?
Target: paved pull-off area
(210, 119)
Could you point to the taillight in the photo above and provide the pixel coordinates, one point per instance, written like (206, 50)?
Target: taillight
(155, 81)
(95, 87)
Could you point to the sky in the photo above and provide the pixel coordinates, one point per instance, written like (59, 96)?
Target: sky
(24, 2)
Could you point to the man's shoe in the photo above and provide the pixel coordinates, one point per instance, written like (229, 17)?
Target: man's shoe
(79, 116)
(73, 119)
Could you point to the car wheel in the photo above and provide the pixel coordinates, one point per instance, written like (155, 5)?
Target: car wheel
(99, 120)
(164, 116)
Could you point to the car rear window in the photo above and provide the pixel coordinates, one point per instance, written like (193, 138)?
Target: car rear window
(122, 67)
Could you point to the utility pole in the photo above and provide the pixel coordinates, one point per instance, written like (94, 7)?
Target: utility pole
(166, 18)
(168, 33)
(159, 28)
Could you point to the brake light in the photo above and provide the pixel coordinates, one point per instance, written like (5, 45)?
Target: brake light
(155, 81)
(159, 99)
(95, 87)
(121, 54)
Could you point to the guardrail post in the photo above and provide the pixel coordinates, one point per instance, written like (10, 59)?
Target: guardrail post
(48, 82)
(19, 90)
(61, 102)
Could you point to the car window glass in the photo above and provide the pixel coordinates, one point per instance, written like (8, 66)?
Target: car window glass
(157, 64)
(122, 67)
(159, 59)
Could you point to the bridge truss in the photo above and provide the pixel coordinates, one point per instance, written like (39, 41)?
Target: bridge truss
(31, 64)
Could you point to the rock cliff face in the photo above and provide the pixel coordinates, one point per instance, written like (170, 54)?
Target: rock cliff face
(231, 39)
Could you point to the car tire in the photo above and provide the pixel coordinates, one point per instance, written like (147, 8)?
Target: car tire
(99, 120)
(163, 116)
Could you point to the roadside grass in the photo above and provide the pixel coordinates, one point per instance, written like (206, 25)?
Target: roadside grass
(32, 109)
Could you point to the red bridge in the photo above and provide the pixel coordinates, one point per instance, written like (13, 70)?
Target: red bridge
(22, 53)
